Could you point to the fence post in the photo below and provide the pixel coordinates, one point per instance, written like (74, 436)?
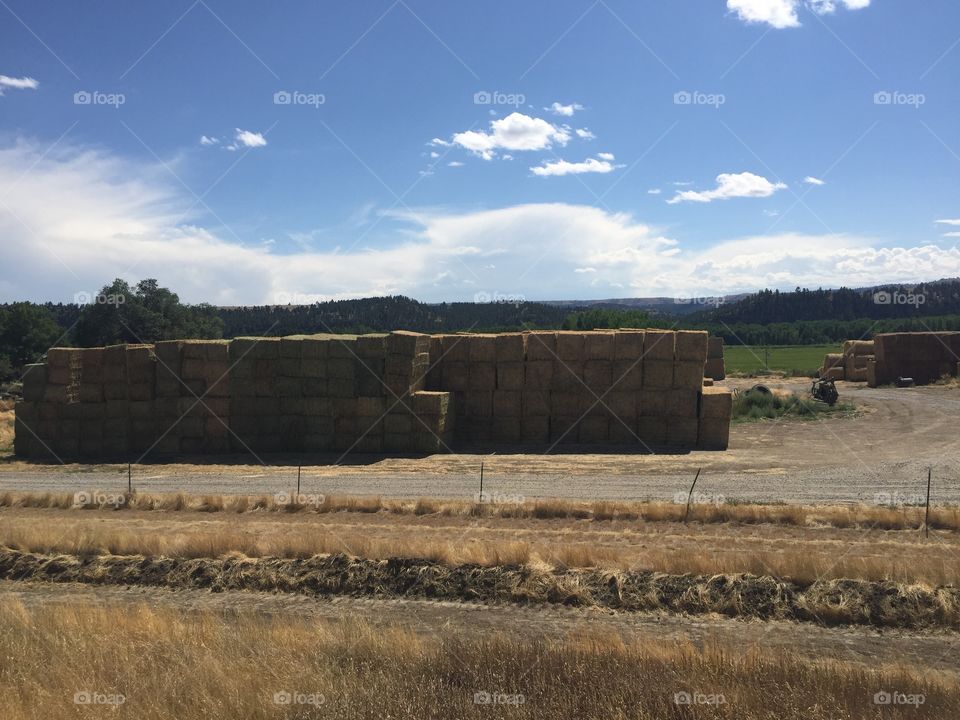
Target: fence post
(480, 496)
(926, 517)
(690, 495)
(298, 480)
(129, 477)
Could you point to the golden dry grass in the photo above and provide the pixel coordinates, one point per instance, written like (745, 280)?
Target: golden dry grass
(166, 665)
(799, 555)
(6, 427)
(944, 517)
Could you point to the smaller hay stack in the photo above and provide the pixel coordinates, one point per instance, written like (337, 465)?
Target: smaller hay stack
(833, 367)
(857, 355)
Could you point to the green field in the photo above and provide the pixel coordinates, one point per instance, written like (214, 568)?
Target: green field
(796, 359)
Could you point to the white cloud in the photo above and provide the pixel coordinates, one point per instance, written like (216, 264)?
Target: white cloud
(948, 222)
(204, 140)
(782, 14)
(952, 235)
(585, 134)
(731, 185)
(454, 163)
(250, 139)
(514, 132)
(605, 156)
(557, 168)
(825, 7)
(23, 83)
(434, 154)
(92, 217)
(653, 191)
(565, 110)
(776, 13)
(811, 180)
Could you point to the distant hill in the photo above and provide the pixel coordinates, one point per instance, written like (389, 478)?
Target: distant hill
(674, 306)
(880, 302)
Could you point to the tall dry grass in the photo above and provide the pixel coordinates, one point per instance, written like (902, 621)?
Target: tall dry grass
(944, 517)
(188, 666)
(801, 562)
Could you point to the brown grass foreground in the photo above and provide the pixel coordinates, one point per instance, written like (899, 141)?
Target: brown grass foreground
(189, 666)
(838, 516)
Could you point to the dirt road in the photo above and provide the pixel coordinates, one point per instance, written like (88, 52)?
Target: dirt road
(881, 455)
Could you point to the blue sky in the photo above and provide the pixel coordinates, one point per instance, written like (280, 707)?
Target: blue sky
(447, 151)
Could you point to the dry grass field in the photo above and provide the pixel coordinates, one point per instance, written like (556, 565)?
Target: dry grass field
(251, 666)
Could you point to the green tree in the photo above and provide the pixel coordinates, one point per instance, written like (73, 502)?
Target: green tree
(145, 313)
(26, 332)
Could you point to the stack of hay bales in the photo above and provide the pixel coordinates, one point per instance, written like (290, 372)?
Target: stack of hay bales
(373, 393)
(857, 356)
(833, 367)
(925, 357)
(602, 387)
(716, 407)
(714, 369)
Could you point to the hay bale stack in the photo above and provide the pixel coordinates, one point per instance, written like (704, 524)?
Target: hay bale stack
(856, 357)
(714, 367)
(925, 357)
(833, 366)
(716, 408)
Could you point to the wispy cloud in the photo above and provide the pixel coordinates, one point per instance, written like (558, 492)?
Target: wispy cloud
(13, 83)
(564, 110)
(557, 168)
(731, 185)
(811, 180)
